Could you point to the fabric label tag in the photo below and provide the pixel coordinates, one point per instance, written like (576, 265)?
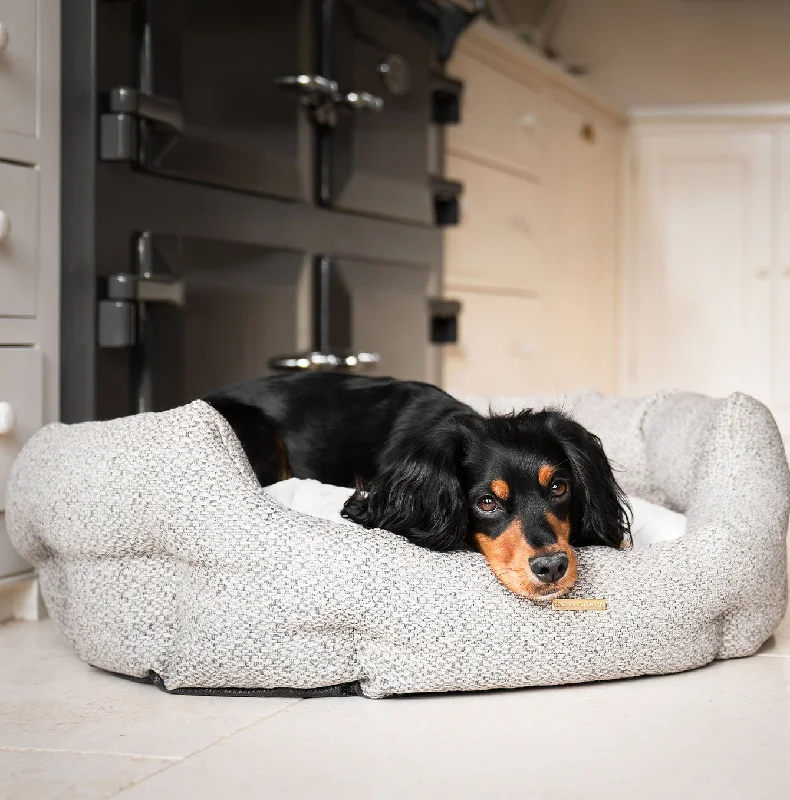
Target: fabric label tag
(578, 604)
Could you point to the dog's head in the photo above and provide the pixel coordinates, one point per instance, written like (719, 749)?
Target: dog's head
(524, 489)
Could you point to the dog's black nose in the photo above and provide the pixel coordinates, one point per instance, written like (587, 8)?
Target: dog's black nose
(549, 569)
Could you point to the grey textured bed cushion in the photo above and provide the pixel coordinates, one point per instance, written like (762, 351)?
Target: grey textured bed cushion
(157, 550)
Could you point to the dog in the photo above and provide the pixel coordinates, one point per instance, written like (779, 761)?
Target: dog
(524, 489)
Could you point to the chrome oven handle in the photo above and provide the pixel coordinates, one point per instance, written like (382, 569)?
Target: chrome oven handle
(308, 85)
(362, 101)
(318, 361)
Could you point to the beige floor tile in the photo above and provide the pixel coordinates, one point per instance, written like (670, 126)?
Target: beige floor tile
(779, 643)
(50, 699)
(37, 775)
(720, 732)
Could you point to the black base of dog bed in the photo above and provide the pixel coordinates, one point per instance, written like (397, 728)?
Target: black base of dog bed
(351, 689)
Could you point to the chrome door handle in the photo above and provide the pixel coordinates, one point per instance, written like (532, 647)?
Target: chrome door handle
(308, 85)
(318, 361)
(167, 112)
(362, 101)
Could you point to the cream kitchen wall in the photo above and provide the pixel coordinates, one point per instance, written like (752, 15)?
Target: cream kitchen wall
(534, 259)
(649, 52)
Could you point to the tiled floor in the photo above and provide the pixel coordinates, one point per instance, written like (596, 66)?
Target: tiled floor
(69, 731)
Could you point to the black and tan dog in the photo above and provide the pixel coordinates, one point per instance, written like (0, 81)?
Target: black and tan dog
(524, 489)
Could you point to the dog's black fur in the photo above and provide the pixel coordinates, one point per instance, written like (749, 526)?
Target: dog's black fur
(422, 462)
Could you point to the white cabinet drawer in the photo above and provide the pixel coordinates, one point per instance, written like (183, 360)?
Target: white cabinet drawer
(501, 118)
(11, 563)
(500, 348)
(496, 243)
(19, 66)
(19, 194)
(20, 405)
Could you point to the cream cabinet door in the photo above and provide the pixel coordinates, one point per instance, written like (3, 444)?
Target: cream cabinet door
(502, 118)
(500, 348)
(701, 271)
(580, 288)
(497, 242)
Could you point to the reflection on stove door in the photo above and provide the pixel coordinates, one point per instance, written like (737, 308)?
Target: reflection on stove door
(387, 313)
(243, 304)
(218, 64)
(375, 160)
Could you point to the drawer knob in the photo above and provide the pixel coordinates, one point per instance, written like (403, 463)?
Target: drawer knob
(6, 418)
(3, 38)
(5, 225)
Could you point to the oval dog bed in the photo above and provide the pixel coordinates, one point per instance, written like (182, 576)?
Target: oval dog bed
(161, 558)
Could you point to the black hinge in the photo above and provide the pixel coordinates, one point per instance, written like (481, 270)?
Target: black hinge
(117, 323)
(119, 130)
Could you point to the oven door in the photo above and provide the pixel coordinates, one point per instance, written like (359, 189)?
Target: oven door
(375, 155)
(215, 103)
(370, 317)
(202, 314)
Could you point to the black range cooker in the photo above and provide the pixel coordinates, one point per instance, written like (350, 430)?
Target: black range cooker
(248, 186)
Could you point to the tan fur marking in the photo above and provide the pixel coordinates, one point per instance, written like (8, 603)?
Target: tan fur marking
(561, 527)
(285, 467)
(500, 489)
(545, 474)
(509, 553)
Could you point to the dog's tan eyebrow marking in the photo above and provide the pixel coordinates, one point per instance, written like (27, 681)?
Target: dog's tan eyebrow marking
(545, 474)
(500, 489)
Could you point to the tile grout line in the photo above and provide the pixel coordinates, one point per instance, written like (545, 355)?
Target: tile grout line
(182, 759)
(67, 751)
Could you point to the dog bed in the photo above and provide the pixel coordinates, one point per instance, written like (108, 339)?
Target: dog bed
(161, 558)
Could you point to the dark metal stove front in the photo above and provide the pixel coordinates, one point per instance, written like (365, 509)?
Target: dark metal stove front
(246, 183)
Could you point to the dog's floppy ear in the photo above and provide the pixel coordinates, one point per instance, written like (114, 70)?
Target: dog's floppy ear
(418, 493)
(600, 514)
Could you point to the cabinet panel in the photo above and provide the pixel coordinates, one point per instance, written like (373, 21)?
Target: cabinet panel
(780, 402)
(18, 66)
(500, 346)
(502, 117)
(19, 195)
(702, 262)
(579, 289)
(20, 405)
(496, 242)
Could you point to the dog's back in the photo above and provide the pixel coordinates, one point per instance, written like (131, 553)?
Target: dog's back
(336, 428)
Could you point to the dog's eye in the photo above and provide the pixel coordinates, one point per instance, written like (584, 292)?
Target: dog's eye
(487, 503)
(559, 488)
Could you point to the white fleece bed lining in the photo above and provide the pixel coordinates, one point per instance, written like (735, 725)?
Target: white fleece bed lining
(652, 523)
